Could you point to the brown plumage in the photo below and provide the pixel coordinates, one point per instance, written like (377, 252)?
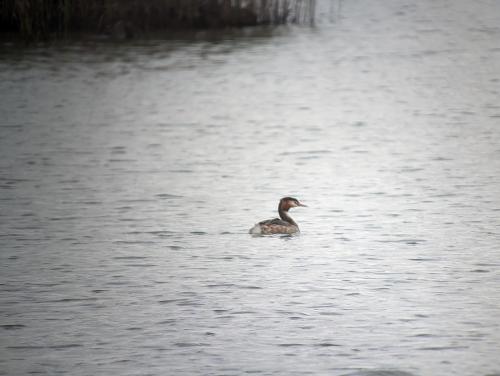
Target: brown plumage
(283, 225)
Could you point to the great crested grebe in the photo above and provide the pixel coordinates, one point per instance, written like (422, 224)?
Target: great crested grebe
(285, 225)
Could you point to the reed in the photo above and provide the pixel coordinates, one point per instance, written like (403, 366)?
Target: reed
(42, 19)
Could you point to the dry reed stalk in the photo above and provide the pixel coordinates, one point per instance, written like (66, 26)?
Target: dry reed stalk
(39, 19)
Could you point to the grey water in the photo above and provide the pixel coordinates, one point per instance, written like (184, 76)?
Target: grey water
(131, 171)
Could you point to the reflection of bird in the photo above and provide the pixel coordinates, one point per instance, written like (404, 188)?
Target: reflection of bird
(285, 225)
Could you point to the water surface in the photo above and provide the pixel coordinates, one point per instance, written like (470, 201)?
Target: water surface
(131, 172)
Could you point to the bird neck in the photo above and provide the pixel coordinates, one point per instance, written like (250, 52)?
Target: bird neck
(284, 216)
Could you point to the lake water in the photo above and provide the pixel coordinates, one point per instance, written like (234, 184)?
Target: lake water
(130, 173)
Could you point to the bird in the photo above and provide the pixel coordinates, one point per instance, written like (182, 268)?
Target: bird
(283, 225)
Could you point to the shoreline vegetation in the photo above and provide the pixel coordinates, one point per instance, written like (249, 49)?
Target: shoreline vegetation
(41, 20)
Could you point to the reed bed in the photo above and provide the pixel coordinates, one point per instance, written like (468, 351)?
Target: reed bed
(42, 19)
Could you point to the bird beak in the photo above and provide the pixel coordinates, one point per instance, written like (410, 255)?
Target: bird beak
(301, 204)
